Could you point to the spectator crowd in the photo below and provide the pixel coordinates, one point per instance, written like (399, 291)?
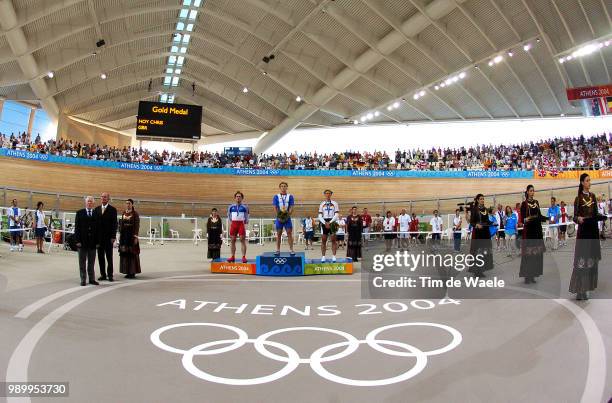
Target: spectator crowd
(553, 155)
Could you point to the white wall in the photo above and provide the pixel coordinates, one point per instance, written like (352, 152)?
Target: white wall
(391, 137)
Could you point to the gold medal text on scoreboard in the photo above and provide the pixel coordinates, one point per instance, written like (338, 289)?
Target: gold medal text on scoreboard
(169, 110)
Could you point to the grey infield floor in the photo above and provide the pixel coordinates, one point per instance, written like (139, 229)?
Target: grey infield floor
(182, 334)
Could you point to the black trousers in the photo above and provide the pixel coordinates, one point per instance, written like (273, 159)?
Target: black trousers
(105, 258)
(87, 263)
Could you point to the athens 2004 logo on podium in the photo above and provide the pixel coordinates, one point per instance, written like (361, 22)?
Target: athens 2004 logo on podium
(283, 265)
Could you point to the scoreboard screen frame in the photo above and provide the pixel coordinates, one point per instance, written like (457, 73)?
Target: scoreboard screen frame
(171, 121)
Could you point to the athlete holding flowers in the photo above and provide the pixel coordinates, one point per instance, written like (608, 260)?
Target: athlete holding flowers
(328, 217)
(283, 205)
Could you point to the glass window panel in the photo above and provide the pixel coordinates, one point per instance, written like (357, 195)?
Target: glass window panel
(186, 2)
(183, 49)
(175, 81)
(180, 26)
(197, 3)
(189, 27)
(184, 12)
(15, 118)
(174, 49)
(177, 37)
(163, 98)
(180, 60)
(193, 14)
(171, 60)
(167, 80)
(178, 72)
(186, 38)
(169, 71)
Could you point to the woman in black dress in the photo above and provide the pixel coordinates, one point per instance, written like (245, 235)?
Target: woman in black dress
(481, 238)
(354, 227)
(129, 249)
(532, 243)
(214, 229)
(588, 250)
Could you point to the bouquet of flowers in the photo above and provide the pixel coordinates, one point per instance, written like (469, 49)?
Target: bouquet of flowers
(333, 227)
(283, 216)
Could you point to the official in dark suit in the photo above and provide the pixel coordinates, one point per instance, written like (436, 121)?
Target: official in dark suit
(107, 233)
(86, 236)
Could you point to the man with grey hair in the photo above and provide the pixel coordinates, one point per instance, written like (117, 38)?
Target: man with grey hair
(86, 236)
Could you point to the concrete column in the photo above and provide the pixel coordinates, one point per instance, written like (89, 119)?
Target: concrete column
(31, 122)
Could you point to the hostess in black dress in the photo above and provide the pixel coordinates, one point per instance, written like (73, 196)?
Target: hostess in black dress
(588, 250)
(532, 242)
(214, 230)
(354, 227)
(481, 240)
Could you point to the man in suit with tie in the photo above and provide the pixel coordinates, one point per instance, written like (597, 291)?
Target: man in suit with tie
(86, 236)
(107, 232)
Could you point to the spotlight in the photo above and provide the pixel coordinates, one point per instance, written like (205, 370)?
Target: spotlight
(103, 76)
(437, 87)
(396, 104)
(245, 90)
(607, 43)
(265, 73)
(498, 59)
(355, 122)
(376, 113)
(415, 96)
(510, 54)
(422, 93)
(363, 118)
(527, 47)
(50, 74)
(538, 40)
(389, 108)
(370, 115)
(563, 115)
(443, 85)
(562, 60)
(462, 75)
(455, 79)
(490, 64)
(298, 99)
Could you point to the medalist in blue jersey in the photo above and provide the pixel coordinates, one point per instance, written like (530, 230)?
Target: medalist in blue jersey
(283, 205)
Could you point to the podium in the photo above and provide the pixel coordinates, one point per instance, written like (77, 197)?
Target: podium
(283, 265)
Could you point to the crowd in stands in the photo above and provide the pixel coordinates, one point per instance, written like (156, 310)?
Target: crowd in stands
(553, 155)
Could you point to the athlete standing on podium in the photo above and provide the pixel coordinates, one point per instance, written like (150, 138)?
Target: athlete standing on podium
(283, 205)
(237, 218)
(328, 217)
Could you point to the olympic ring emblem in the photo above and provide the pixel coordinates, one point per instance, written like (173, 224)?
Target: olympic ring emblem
(280, 260)
(292, 359)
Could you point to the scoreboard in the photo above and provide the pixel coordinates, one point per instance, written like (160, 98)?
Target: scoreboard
(176, 121)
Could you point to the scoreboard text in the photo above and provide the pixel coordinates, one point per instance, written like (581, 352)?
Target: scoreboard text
(169, 120)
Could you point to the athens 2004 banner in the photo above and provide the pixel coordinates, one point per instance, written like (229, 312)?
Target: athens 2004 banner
(266, 172)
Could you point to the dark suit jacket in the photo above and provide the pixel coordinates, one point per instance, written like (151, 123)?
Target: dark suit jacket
(86, 229)
(107, 225)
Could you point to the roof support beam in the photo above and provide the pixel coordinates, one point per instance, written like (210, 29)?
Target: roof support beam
(363, 63)
(476, 25)
(571, 36)
(19, 45)
(586, 17)
(567, 80)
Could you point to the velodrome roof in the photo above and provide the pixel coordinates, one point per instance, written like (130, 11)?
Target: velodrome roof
(344, 58)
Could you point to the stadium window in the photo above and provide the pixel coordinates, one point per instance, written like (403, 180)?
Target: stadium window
(171, 60)
(167, 80)
(177, 38)
(186, 2)
(174, 49)
(177, 72)
(197, 3)
(189, 27)
(169, 71)
(184, 49)
(171, 98)
(193, 14)
(175, 81)
(180, 60)
(186, 38)
(163, 98)
(14, 117)
(180, 26)
(184, 12)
